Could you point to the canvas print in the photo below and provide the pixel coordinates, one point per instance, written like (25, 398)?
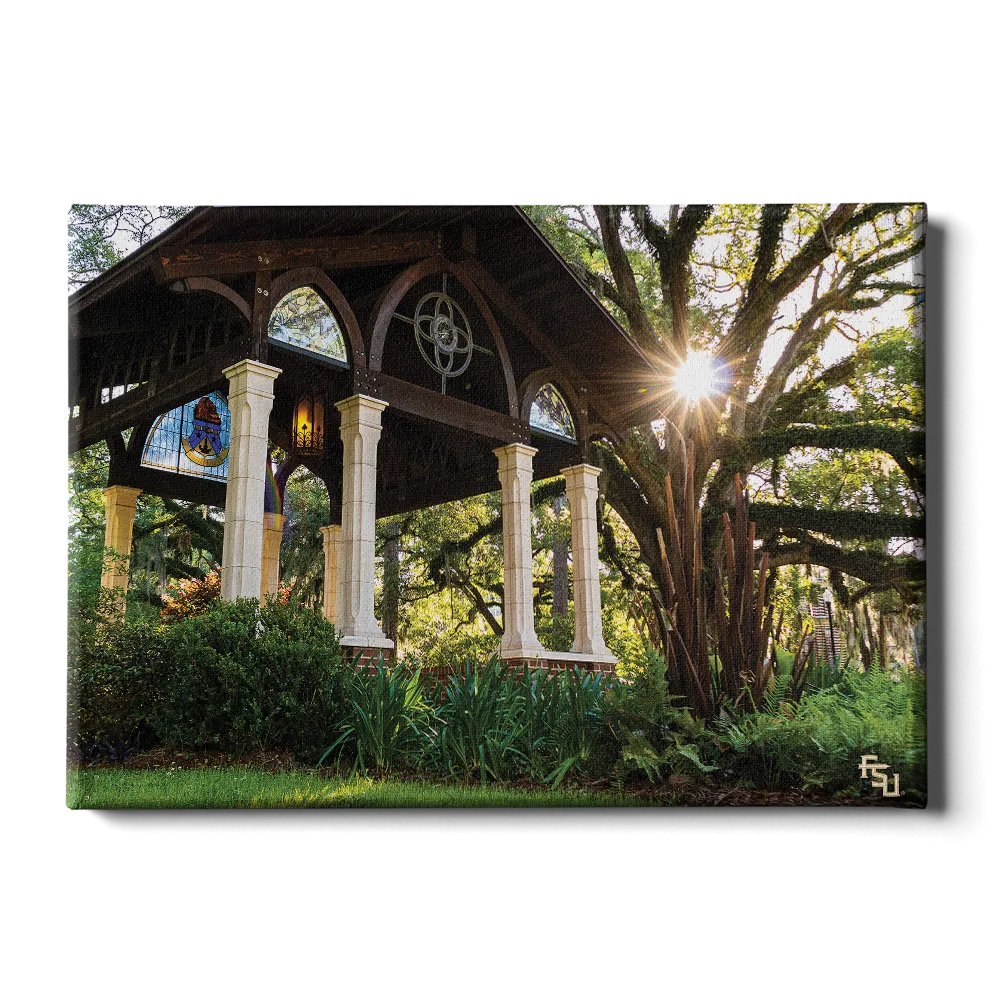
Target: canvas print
(504, 506)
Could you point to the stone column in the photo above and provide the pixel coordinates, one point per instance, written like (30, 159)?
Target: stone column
(360, 430)
(519, 637)
(581, 491)
(251, 394)
(119, 513)
(270, 571)
(331, 542)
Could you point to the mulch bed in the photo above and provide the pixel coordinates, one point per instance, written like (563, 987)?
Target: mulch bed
(675, 791)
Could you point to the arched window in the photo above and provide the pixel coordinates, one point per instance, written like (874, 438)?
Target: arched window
(550, 413)
(192, 439)
(303, 320)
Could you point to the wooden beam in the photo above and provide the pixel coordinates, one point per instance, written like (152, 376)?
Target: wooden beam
(431, 405)
(163, 392)
(173, 485)
(206, 259)
(512, 309)
(261, 314)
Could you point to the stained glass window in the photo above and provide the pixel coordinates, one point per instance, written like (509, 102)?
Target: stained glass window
(550, 413)
(302, 319)
(192, 439)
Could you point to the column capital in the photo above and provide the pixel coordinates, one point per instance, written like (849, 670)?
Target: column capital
(330, 533)
(354, 406)
(251, 376)
(249, 365)
(515, 449)
(121, 494)
(580, 476)
(515, 457)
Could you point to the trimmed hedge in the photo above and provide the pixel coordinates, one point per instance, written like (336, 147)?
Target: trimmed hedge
(239, 677)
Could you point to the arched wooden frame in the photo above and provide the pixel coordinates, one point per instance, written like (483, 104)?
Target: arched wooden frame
(216, 288)
(598, 432)
(405, 281)
(534, 382)
(313, 277)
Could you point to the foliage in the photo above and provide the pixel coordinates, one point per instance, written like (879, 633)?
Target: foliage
(115, 678)
(100, 235)
(482, 726)
(820, 741)
(569, 726)
(307, 509)
(191, 597)
(243, 676)
(811, 318)
(555, 631)
(656, 737)
(386, 707)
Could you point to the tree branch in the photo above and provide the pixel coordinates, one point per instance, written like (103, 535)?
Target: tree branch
(843, 524)
(609, 217)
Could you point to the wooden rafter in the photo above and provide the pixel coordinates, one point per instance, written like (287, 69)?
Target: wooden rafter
(207, 259)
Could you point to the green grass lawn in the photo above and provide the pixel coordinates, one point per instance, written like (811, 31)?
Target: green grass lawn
(236, 788)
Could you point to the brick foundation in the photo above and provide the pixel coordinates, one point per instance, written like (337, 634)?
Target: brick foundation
(554, 666)
(369, 656)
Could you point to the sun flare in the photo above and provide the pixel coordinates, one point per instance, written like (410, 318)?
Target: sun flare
(699, 376)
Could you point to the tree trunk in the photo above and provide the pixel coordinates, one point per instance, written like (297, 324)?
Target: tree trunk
(869, 631)
(862, 629)
(390, 585)
(560, 563)
(882, 659)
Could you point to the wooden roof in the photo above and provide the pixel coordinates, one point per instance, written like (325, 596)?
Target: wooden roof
(130, 326)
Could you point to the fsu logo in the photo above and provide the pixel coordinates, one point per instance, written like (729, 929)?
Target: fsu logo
(204, 444)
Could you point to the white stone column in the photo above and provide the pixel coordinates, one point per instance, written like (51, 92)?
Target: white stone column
(119, 514)
(581, 492)
(519, 637)
(270, 570)
(251, 394)
(331, 542)
(360, 430)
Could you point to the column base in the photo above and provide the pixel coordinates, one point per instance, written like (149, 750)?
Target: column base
(548, 660)
(367, 652)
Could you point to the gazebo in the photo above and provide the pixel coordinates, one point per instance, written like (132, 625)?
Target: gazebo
(407, 356)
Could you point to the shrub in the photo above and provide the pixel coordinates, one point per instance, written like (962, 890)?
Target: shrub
(555, 631)
(245, 676)
(500, 724)
(655, 737)
(820, 741)
(115, 681)
(481, 725)
(385, 709)
(188, 598)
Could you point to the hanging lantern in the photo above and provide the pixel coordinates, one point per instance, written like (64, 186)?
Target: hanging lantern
(307, 428)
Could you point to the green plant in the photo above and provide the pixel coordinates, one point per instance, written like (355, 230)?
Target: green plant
(243, 676)
(655, 737)
(555, 631)
(481, 725)
(385, 710)
(191, 597)
(115, 682)
(498, 724)
(577, 735)
(819, 742)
